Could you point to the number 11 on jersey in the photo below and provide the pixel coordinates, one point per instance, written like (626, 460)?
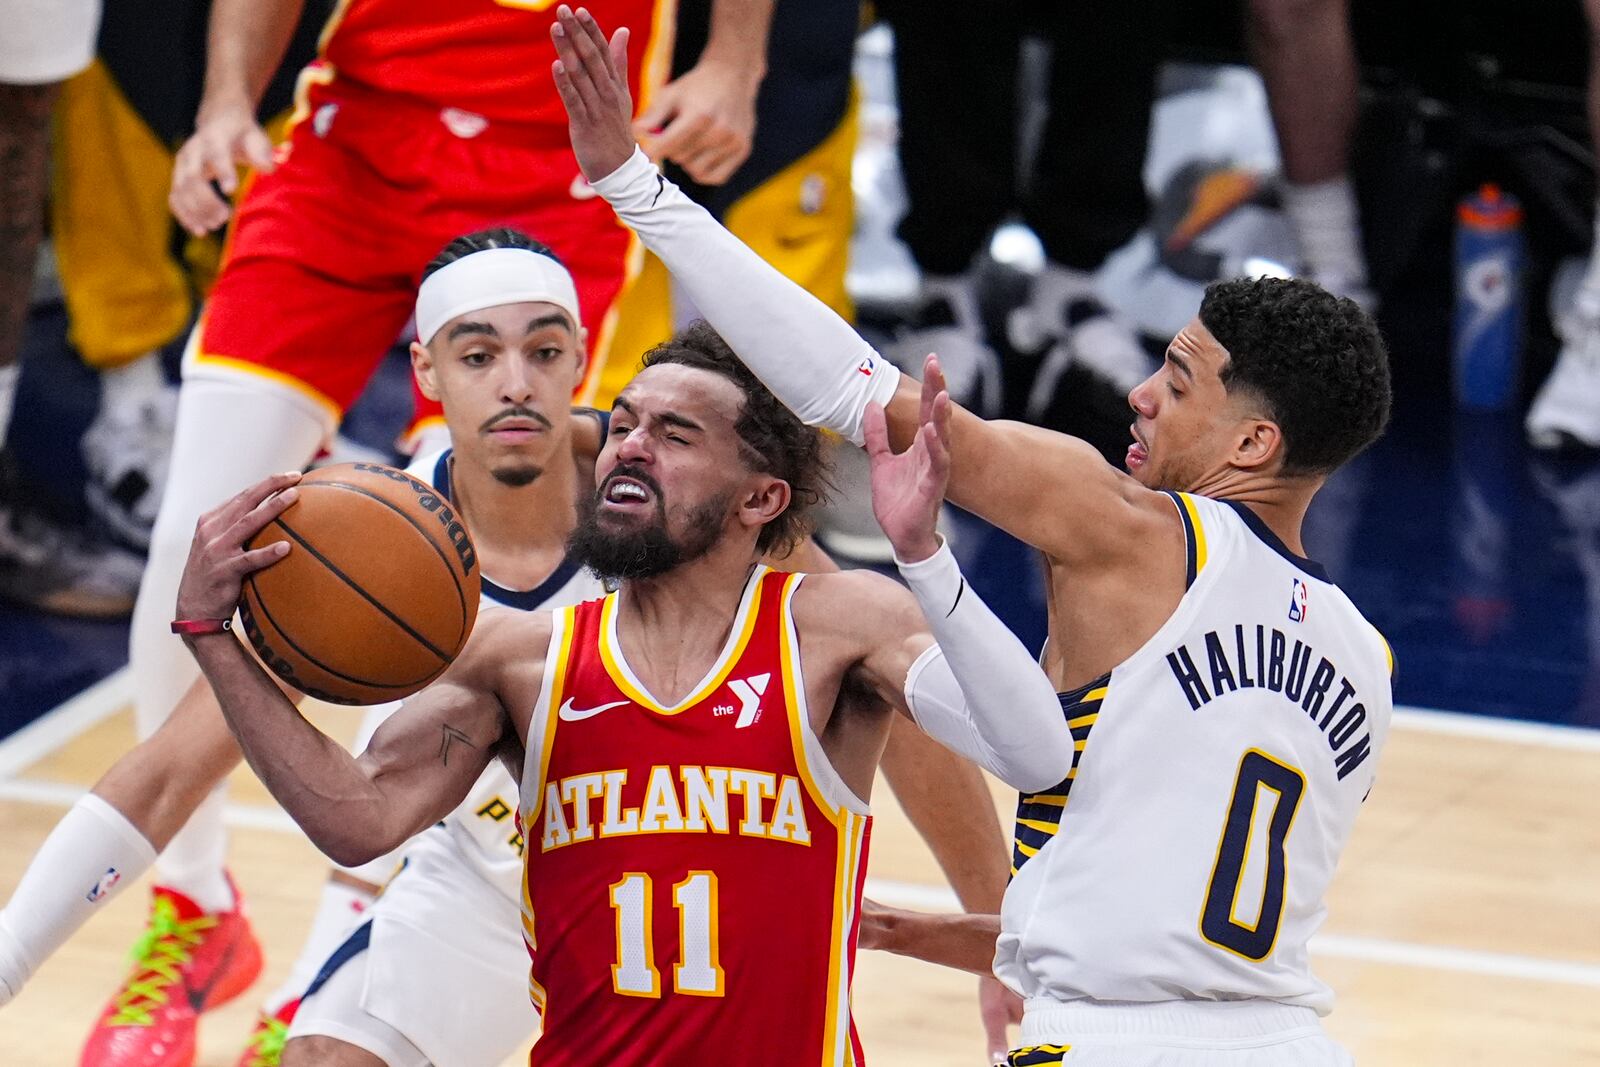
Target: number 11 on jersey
(698, 972)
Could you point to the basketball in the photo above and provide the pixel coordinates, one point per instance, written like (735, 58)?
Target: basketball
(377, 594)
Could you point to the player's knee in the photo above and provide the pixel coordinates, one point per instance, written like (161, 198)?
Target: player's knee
(318, 1051)
(1273, 21)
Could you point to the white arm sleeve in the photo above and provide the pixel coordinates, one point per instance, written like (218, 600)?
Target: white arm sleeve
(811, 359)
(977, 691)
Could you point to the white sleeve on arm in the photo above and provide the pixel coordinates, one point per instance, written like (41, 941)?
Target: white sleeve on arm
(809, 357)
(977, 691)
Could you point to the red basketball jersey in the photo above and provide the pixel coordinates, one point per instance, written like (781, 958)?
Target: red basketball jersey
(488, 57)
(694, 871)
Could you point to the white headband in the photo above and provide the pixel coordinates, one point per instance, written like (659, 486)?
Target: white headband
(489, 279)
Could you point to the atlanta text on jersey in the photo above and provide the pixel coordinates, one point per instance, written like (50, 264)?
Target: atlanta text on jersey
(702, 807)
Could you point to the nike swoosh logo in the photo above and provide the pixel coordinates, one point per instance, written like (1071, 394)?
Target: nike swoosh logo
(580, 189)
(568, 713)
(198, 995)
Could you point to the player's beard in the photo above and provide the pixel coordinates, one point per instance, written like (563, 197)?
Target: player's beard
(518, 476)
(630, 553)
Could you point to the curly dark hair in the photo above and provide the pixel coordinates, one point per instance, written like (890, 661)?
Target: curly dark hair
(1316, 360)
(772, 440)
(483, 240)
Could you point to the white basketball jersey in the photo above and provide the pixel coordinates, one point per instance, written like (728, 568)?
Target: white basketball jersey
(1218, 774)
(484, 825)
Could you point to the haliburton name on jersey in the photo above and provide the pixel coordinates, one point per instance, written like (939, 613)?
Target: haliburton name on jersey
(1278, 669)
(702, 808)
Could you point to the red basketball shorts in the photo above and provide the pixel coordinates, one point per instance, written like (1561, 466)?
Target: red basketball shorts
(326, 252)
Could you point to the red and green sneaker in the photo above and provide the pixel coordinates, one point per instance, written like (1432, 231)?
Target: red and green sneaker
(265, 1048)
(185, 963)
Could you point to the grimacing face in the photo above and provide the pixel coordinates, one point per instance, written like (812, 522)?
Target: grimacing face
(1187, 425)
(505, 377)
(671, 480)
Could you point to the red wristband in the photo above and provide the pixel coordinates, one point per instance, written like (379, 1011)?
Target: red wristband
(192, 627)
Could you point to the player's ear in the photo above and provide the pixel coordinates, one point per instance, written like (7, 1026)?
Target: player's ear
(1259, 445)
(765, 501)
(422, 368)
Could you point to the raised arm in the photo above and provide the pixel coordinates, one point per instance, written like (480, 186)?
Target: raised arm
(419, 764)
(814, 361)
(245, 44)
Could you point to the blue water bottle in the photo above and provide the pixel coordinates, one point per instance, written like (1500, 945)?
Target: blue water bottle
(1487, 334)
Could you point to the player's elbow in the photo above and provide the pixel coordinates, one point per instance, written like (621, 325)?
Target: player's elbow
(351, 844)
(1040, 767)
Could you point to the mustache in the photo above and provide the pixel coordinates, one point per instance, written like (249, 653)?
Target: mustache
(638, 474)
(515, 413)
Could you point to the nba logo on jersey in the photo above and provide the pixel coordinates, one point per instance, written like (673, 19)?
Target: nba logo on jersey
(106, 884)
(1297, 601)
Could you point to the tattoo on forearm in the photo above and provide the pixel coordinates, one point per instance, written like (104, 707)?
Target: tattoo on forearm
(452, 734)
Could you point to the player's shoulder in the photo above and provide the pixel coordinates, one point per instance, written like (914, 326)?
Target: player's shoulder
(504, 637)
(851, 601)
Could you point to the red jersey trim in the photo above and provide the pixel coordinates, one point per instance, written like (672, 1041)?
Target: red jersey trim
(744, 624)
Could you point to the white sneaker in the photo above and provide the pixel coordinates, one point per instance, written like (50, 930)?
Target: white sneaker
(126, 450)
(59, 569)
(1567, 407)
(1065, 312)
(948, 324)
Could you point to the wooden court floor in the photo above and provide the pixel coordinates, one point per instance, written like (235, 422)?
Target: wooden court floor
(1464, 926)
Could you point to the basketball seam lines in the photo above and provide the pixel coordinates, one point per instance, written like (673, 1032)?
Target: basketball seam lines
(261, 604)
(449, 565)
(368, 597)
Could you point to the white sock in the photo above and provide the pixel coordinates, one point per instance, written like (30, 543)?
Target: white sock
(195, 860)
(339, 911)
(129, 386)
(8, 396)
(91, 855)
(1327, 225)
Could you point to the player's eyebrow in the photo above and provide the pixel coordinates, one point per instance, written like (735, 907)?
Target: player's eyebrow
(1178, 361)
(683, 421)
(671, 418)
(541, 322)
(461, 329)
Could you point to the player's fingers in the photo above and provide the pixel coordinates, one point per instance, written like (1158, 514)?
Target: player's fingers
(219, 166)
(875, 428)
(662, 110)
(246, 500)
(568, 92)
(714, 163)
(256, 148)
(726, 166)
(260, 517)
(258, 558)
(597, 38)
(577, 53)
(681, 138)
(933, 374)
(619, 55)
(930, 390)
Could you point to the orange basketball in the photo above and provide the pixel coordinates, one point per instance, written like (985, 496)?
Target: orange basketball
(377, 594)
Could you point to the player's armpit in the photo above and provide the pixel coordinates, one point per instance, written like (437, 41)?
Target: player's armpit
(965, 942)
(1047, 489)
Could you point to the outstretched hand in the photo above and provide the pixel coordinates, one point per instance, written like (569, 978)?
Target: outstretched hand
(591, 74)
(907, 489)
(218, 561)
